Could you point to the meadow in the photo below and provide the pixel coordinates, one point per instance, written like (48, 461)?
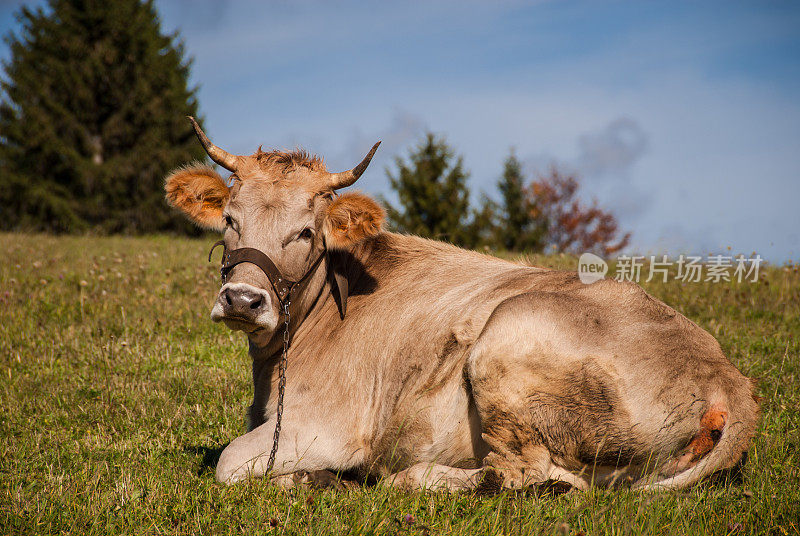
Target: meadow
(117, 392)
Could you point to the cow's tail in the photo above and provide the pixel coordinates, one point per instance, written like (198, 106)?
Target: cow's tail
(739, 422)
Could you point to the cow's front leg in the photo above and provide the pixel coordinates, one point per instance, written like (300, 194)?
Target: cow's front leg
(301, 448)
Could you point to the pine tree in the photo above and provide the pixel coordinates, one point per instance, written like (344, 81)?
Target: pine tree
(482, 230)
(433, 193)
(92, 117)
(517, 227)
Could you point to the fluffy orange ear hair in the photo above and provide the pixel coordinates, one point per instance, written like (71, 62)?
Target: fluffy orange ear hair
(200, 193)
(351, 218)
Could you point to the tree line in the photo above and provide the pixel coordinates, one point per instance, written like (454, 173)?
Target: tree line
(543, 213)
(92, 116)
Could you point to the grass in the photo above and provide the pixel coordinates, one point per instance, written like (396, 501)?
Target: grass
(117, 390)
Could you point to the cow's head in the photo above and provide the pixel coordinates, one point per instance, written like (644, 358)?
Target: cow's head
(281, 203)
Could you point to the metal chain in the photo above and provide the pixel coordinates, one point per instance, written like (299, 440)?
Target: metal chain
(281, 385)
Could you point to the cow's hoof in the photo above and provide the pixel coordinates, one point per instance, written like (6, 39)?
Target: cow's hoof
(324, 480)
(321, 479)
(489, 482)
(554, 488)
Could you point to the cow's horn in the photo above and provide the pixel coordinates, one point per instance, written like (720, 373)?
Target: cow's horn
(334, 181)
(223, 158)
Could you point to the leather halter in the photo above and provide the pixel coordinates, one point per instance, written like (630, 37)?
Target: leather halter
(283, 288)
(280, 284)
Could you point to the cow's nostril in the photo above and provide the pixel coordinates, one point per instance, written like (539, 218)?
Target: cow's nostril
(228, 298)
(256, 303)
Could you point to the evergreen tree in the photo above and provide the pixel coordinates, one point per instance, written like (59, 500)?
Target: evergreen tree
(433, 193)
(482, 230)
(517, 227)
(92, 117)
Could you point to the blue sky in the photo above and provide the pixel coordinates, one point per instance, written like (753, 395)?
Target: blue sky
(682, 117)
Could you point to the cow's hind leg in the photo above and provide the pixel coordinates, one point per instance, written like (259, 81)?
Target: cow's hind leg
(518, 458)
(496, 475)
(539, 407)
(434, 477)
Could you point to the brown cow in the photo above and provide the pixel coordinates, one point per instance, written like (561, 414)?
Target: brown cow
(448, 368)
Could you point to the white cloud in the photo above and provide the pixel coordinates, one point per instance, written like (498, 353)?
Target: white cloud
(404, 129)
(613, 150)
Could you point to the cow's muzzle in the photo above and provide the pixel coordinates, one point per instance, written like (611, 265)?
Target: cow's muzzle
(244, 307)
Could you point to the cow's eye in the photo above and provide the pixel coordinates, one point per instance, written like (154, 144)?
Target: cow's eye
(305, 234)
(228, 220)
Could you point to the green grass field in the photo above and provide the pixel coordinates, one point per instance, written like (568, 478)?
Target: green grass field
(117, 390)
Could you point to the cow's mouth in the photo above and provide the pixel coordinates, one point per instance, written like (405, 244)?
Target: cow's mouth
(258, 334)
(247, 325)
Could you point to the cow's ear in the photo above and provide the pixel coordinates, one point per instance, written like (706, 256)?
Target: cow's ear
(350, 218)
(200, 193)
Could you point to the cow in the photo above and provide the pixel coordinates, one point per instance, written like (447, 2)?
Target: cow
(427, 366)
